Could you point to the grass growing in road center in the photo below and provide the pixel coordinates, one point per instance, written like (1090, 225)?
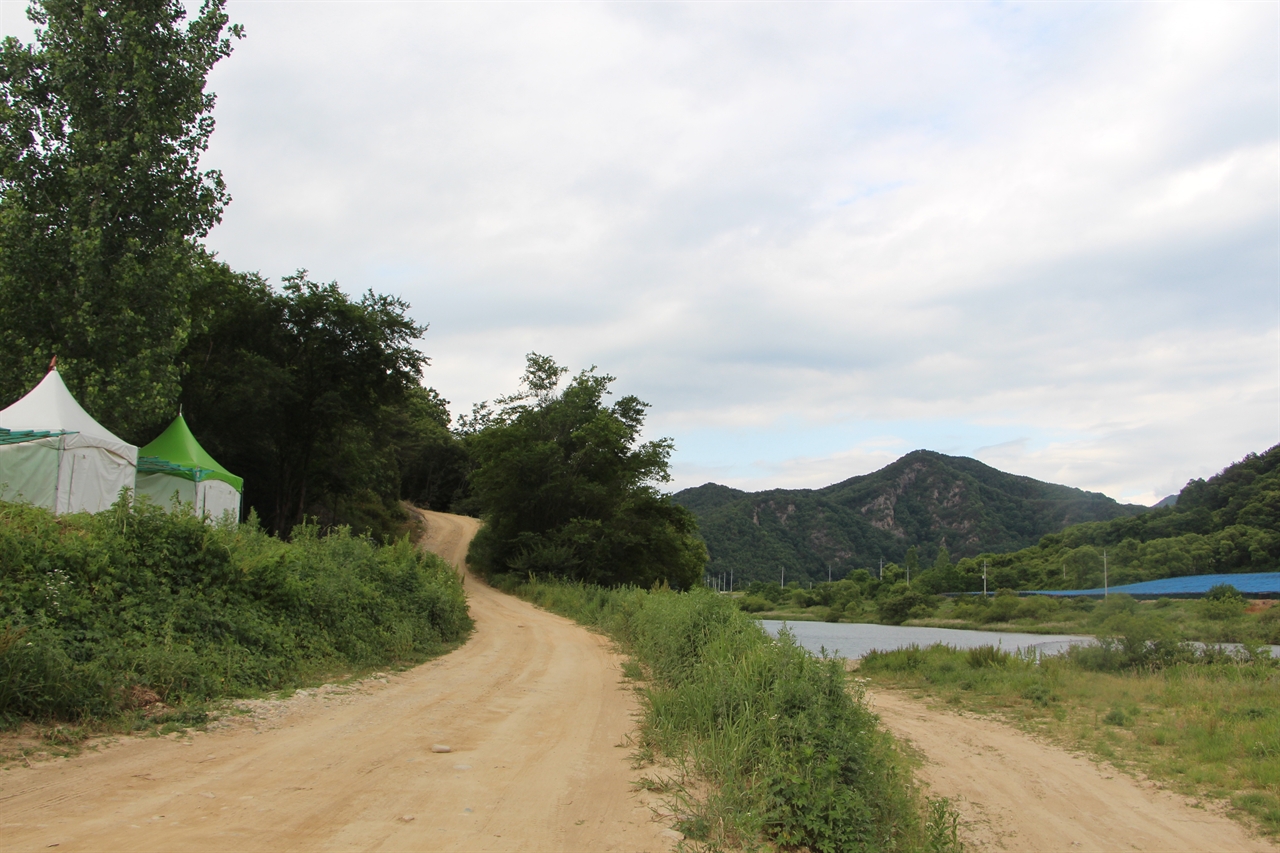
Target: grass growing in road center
(790, 755)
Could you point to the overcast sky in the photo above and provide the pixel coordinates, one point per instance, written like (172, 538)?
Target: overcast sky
(813, 236)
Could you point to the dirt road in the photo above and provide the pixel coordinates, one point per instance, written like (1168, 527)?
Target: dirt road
(1019, 794)
(532, 709)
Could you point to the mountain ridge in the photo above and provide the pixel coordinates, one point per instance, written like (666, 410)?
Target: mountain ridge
(924, 499)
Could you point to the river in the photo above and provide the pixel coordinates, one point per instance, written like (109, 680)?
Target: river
(855, 640)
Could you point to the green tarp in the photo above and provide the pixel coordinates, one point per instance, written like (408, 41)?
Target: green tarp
(177, 453)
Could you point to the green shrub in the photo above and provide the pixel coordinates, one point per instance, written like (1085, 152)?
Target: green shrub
(1222, 601)
(755, 604)
(981, 657)
(902, 603)
(1036, 607)
(907, 659)
(1002, 607)
(96, 606)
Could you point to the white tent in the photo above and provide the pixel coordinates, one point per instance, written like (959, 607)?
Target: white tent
(54, 455)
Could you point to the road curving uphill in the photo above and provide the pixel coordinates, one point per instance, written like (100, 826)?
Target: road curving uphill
(532, 711)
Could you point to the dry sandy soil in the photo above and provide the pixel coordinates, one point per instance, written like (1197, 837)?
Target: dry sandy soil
(532, 708)
(1017, 793)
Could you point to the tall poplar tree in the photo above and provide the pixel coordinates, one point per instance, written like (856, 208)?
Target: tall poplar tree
(103, 120)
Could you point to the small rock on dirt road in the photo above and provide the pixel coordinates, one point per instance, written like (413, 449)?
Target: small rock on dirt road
(439, 747)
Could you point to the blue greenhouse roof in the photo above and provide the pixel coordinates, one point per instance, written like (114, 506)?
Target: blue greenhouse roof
(1257, 583)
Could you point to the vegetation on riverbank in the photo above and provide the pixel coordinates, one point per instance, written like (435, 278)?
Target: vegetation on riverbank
(788, 754)
(101, 615)
(1204, 722)
(1222, 616)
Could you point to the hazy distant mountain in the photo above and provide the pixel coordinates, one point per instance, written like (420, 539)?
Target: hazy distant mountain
(924, 499)
(1171, 500)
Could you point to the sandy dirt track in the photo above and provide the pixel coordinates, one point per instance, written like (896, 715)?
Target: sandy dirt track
(532, 708)
(1017, 793)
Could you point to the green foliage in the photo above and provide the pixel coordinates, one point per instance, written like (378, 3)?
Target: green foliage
(568, 490)
(791, 754)
(433, 462)
(102, 123)
(901, 603)
(925, 501)
(987, 656)
(755, 603)
(93, 607)
(306, 391)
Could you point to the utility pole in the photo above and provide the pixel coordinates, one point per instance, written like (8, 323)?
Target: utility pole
(880, 576)
(984, 578)
(784, 578)
(828, 573)
(730, 580)
(1105, 592)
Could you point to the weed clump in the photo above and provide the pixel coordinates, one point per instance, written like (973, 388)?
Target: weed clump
(982, 657)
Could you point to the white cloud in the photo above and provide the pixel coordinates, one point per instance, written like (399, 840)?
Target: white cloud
(1044, 234)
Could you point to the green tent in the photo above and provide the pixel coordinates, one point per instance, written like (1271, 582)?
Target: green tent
(175, 467)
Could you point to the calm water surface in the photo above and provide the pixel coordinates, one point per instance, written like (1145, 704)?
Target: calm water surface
(854, 641)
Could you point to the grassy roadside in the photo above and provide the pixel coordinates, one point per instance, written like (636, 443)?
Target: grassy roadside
(1204, 723)
(135, 618)
(779, 752)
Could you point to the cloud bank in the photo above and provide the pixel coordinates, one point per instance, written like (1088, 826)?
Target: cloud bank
(813, 236)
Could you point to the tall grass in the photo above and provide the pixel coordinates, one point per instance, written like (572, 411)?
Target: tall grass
(789, 753)
(97, 611)
(1208, 724)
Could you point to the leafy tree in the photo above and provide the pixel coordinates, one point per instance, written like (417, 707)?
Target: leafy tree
(1084, 566)
(433, 461)
(102, 199)
(900, 603)
(568, 489)
(913, 562)
(941, 576)
(293, 387)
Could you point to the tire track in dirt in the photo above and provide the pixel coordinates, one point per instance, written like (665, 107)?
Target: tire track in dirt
(532, 707)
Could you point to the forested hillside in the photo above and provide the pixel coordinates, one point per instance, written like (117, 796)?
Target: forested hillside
(1228, 523)
(907, 512)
